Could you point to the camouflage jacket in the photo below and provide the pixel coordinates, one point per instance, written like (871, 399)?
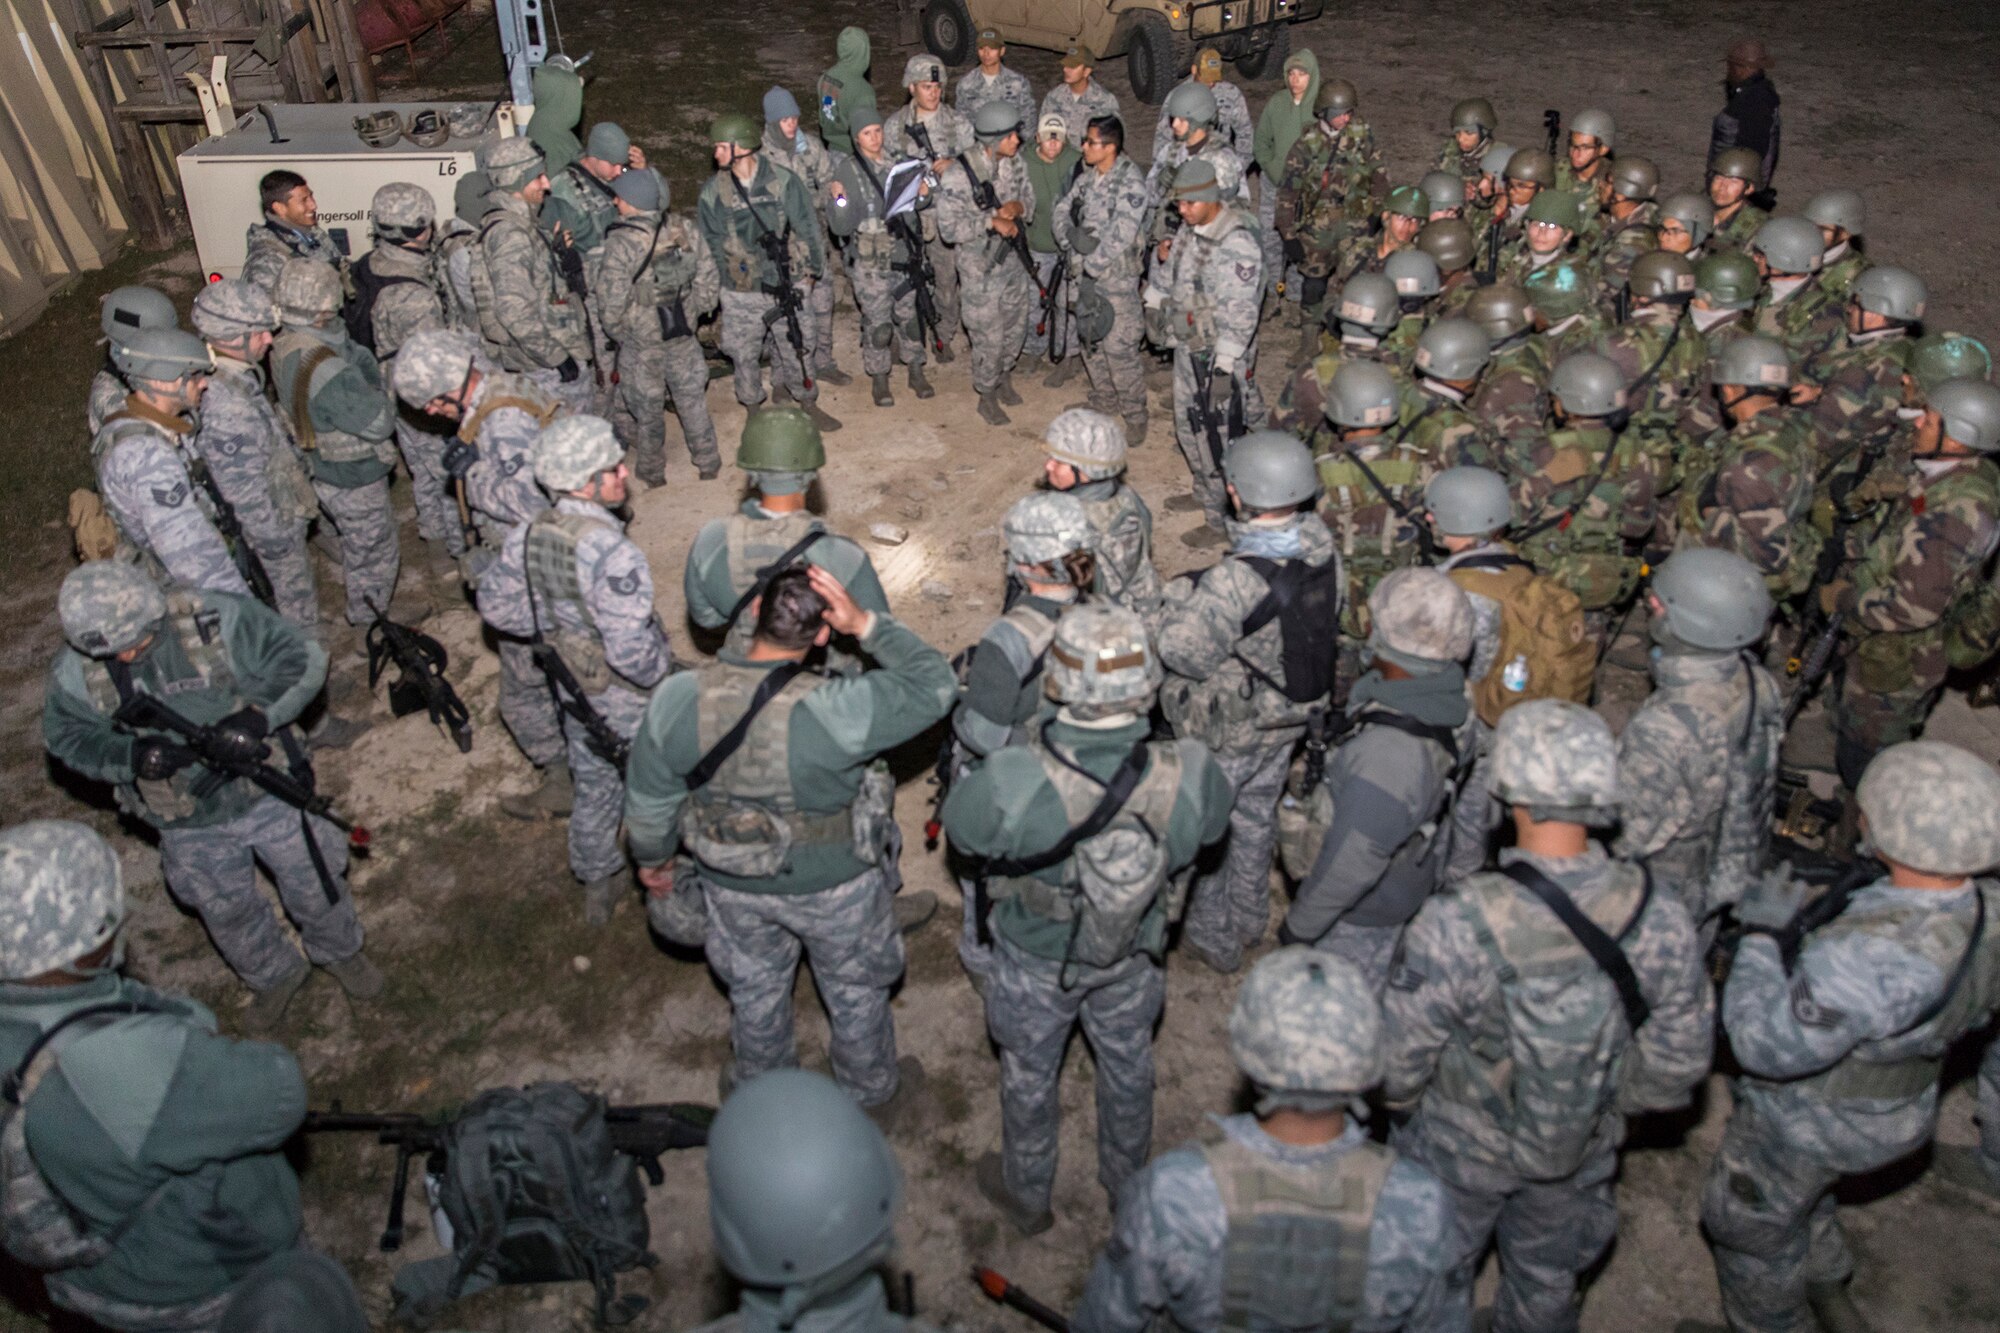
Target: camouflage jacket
(1839, 272)
(539, 322)
(267, 245)
(1807, 321)
(1861, 381)
(975, 90)
(1735, 233)
(737, 219)
(949, 133)
(723, 563)
(251, 455)
(1466, 166)
(1613, 503)
(1111, 207)
(408, 299)
(1078, 112)
(1160, 181)
(1512, 398)
(1215, 290)
(650, 264)
(1301, 406)
(1658, 344)
(962, 217)
(143, 474)
(1124, 529)
(1939, 534)
(1618, 244)
(1329, 186)
(1232, 122)
(352, 441)
(503, 417)
(1756, 498)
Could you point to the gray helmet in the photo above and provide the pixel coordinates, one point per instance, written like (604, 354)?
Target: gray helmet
(1557, 759)
(1450, 242)
(1588, 385)
(1597, 124)
(1193, 102)
(1270, 470)
(1445, 189)
(1503, 310)
(1754, 362)
(434, 363)
(922, 67)
(1306, 1022)
(1838, 208)
(802, 1187)
(400, 210)
(1493, 162)
(1369, 300)
(1091, 442)
(379, 129)
(232, 308)
(295, 1291)
(644, 190)
(1336, 97)
(1474, 113)
(1635, 178)
(1937, 357)
(1693, 212)
(1728, 281)
(1452, 348)
(1532, 165)
(995, 120)
(1102, 661)
(163, 356)
(512, 162)
(107, 606)
(306, 290)
(1790, 245)
(62, 895)
(1932, 807)
(608, 142)
(572, 450)
(1660, 275)
(1971, 412)
(1714, 599)
(1092, 314)
(1469, 502)
(129, 309)
(1742, 164)
(1361, 395)
(426, 128)
(1414, 272)
(1044, 526)
(468, 197)
(1419, 619)
(1894, 293)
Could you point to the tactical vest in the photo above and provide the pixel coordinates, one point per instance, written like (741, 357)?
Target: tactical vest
(1366, 524)
(306, 355)
(506, 391)
(1586, 553)
(549, 553)
(1295, 1256)
(1192, 325)
(197, 630)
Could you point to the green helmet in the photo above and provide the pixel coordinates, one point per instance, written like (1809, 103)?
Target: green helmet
(468, 197)
(129, 309)
(1336, 98)
(1193, 102)
(1102, 662)
(571, 450)
(1503, 310)
(1693, 212)
(1933, 807)
(1270, 470)
(1092, 442)
(1790, 245)
(1196, 182)
(1474, 113)
(62, 895)
(1452, 348)
(306, 290)
(1714, 599)
(1469, 502)
(1894, 293)
(1557, 759)
(1493, 162)
(1660, 275)
(1754, 362)
(1445, 189)
(1093, 314)
(736, 129)
(1843, 209)
(1419, 619)
(1596, 124)
(1740, 164)
(1635, 178)
(1409, 202)
(1561, 288)
(1971, 412)
(1937, 357)
(997, 119)
(1728, 281)
(1450, 242)
(781, 438)
(1044, 526)
(107, 606)
(1306, 1024)
(802, 1187)
(1415, 274)
(1532, 165)
(1369, 301)
(1362, 395)
(1556, 206)
(164, 356)
(1588, 385)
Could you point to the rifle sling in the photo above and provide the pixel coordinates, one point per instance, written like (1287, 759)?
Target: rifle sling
(772, 570)
(1601, 947)
(1116, 793)
(767, 689)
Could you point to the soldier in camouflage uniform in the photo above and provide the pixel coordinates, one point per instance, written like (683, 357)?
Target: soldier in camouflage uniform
(1630, 225)
(786, 144)
(1686, 220)
(1841, 217)
(289, 229)
(1585, 169)
(982, 204)
(1069, 949)
(1512, 401)
(572, 579)
(990, 80)
(1841, 1046)
(1662, 359)
(1857, 396)
(1288, 1217)
(331, 388)
(1404, 214)
(458, 243)
(1326, 191)
(1794, 308)
(1725, 298)
(1226, 688)
(1366, 312)
(1526, 173)
(1191, 112)
(1563, 295)
(1446, 193)
(146, 1195)
(1086, 459)
(1449, 361)
(1469, 136)
(533, 324)
(1548, 235)
(655, 281)
(1734, 175)
(580, 195)
(1079, 98)
(791, 835)
(1527, 1145)
(123, 312)
(1232, 113)
(1449, 243)
(1100, 223)
(878, 261)
(924, 128)
(1703, 747)
(226, 662)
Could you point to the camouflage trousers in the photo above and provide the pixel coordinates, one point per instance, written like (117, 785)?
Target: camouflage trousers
(430, 484)
(848, 935)
(820, 332)
(594, 816)
(369, 557)
(1032, 1007)
(1546, 1232)
(525, 707)
(1116, 366)
(1194, 443)
(944, 291)
(1230, 903)
(1888, 685)
(202, 1316)
(1275, 268)
(288, 562)
(1372, 949)
(884, 317)
(213, 873)
(995, 298)
(1989, 1108)
(648, 373)
(581, 394)
(746, 339)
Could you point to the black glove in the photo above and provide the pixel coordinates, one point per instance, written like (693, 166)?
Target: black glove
(1076, 210)
(157, 760)
(569, 370)
(1312, 291)
(459, 458)
(1295, 251)
(239, 738)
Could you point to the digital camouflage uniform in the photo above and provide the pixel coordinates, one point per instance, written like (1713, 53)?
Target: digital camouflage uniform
(730, 554)
(1078, 112)
(1328, 191)
(400, 309)
(1003, 701)
(948, 134)
(1111, 209)
(1232, 121)
(255, 463)
(1124, 528)
(808, 159)
(267, 245)
(654, 272)
(734, 218)
(975, 90)
(532, 319)
(995, 290)
(1211, 149)
(1588, 554)
(1753, 494)
(877, 262)
(143, 459)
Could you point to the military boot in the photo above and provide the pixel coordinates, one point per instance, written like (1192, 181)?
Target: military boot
(991, 412)
(828, 373)
(1005, 392)
(1956, 1164)
(918, 384)
(601, 897)
(1135, 431)
(1064, 372)
(942, 348)
(550, 800)
(827, 424)
(990, 1175)
(1834, 1309)
(901, 1109)
(267, 1007)
(361, 979)
(879, 384)
(913, 910)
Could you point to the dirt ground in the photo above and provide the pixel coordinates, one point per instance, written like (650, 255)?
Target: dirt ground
(495, 981)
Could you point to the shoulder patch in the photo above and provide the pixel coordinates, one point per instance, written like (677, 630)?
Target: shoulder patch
(170, 497)
(1808, 1011)
(625, 585)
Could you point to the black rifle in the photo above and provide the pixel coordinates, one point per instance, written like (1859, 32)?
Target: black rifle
(240, 551)
(1052, 309)
(1315, 753)
(789, 303)
(947, 762)
(1818, 911)
(569, 263)
(420, 682)
(988, 198)
(640, 1132)
(1552, 121)
(599, 735)
(1202, 414)
(998, 1288)
(919, 278)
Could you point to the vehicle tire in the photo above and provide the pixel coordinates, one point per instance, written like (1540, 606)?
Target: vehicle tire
(1157, 59)
(1271, 59)
(948, 31)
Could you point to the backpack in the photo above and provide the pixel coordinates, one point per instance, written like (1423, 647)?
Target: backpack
(1305, 601)
(359, 311)
(532, 1190)
(1545, 651)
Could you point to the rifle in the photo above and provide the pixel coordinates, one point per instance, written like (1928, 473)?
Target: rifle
(988, 198)
(1552, 121)
(640, 1132)
(1202, 414)
(1052, 309)
(941, 778)
(1314, 771)
(789, 302)
(998, 1288)
(569, 263)
(567, 692)
(241, 553)
(1791, 937)
(420, 681)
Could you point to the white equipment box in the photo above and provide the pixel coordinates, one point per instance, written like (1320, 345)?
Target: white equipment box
(219, 175)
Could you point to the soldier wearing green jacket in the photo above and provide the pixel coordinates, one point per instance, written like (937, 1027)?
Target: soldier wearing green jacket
(844, 89)
(1794, 308)
(1734, 175)
(1660, 355)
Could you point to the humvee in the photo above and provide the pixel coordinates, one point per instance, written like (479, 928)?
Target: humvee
(1158, 38)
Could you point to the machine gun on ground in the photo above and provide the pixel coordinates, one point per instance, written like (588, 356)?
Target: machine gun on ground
(420, 681)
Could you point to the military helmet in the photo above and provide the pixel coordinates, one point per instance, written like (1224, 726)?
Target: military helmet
(379, 129)
(232, 308)
(295, 1291)
(1754, 362)
(306, 290)
(1532, 165)
(781, 438)
(163, 356)
(1444, 189)
(1414, 272)
(128, 309)
(107, 606)
(801, 1184)
(467, 120)
(1197, 183)
(1559, 761)
(1741, 164)
(1474, 113)
(512, 162)
(1503, 310)
(1693, 212)
(1838, 208)
(1493, 162)
(1362, 395)
(1937, 357)
(1092, 314)
(1597, 124)
(1971, 412)
(1894, 293)
(434, 363)
(1561, 288)
(1660, 275)
(1469, 502)
(1270, 470)
(401, 210)
(1450, 242)
(1790, 245)
(1635, 178)
(1307, 1022)
(573, 449)
(736, 129)
(995, 120)
(922, 67)
(1336, 97)
(426, 128)
(1452, 348)
(1588, 385)
(1419, 617)
(1092, 442)
(1102, 661)
(1932, 807)
(1714, 599)
(1728, 281)
(1408, 201)
(608, 142)
(1044, 526)
(468, 197)
(1556, 206)
(62, 895)
(1369, 300)
(1192, 102)
(643, 188)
